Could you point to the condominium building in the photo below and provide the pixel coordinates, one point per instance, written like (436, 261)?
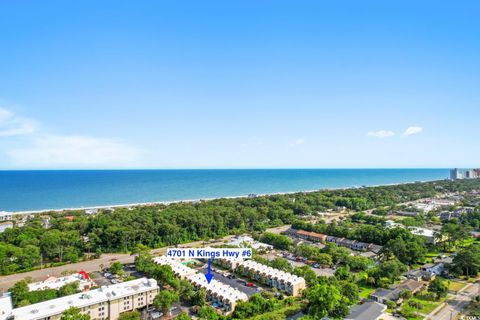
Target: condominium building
(107, 302)
(219, 293)
(281, 280)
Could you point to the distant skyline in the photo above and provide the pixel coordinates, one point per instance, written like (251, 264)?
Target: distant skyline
(239, 84)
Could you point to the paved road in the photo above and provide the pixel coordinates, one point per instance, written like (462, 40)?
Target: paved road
(92, 265)
(456, 303)
(7, 282)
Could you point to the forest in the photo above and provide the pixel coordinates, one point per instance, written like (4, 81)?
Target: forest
(72, 235)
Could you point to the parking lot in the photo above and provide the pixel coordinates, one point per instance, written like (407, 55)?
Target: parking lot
(237, 283)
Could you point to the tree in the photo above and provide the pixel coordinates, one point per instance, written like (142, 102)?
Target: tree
(467, 261)
(208, 313)
(307, 273)
(116, 267)
(74, 314)
(199, 298)
(408, 251)
(326, 300)
(405, 294)
(186, 290)
(350, 290)
(68, 289)
(438, 287)
(183, 316)
(19, 292)
(343, 273)
(277, 240)
(390, 270)
(164, 274)
(132, 315)
(281, 264)
(164, 300)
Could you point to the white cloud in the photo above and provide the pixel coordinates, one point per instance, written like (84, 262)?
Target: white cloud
(299, 141)
(45, 150)
(381, 134)
(12, 125)
(412, 131)
(77, 151)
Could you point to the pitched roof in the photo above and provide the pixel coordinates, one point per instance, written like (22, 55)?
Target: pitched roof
(387, 294)
(369, 310)
(410, 285)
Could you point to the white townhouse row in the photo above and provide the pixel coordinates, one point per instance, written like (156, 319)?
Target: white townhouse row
(281, 280)
(107, 302)
(219, 293)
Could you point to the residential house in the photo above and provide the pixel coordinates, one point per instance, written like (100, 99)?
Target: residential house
(369, 310)
(419, 275)
(383, 295)
(411, 285)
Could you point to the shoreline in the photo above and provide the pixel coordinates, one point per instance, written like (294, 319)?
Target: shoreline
(166, 202)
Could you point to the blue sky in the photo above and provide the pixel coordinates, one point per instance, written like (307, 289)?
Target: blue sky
(239, 84)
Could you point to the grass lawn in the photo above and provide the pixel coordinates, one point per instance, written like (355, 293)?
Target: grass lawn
(455, 285)
(365, 291)
(281, 313)
(428, 306)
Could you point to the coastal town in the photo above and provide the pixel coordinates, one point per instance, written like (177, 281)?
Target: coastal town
(239, 160)
(413, 259)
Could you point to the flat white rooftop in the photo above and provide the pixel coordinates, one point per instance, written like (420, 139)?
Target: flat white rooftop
(422, 231)
(57, 283)
(106, 293)
(5, 305)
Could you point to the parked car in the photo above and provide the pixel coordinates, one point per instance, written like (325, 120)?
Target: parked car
(250, 284)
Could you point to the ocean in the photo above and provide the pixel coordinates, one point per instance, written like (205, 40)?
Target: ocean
(56, 189)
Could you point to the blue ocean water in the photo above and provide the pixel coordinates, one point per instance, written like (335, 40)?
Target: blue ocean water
(37, 190)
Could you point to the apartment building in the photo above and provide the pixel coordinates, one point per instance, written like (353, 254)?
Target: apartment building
(311, 236)
(219, 293)
(107, 302)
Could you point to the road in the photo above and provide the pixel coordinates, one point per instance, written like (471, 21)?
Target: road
(7, 282)
(37, 275)
(455, 303)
